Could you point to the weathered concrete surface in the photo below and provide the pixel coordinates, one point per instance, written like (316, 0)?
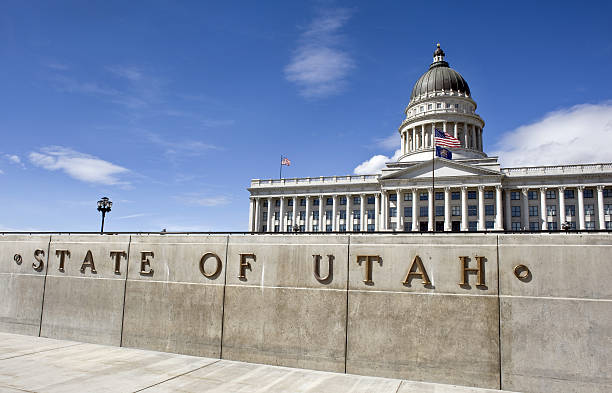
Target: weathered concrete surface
(81, 304)
(556, 326)
(280, 314)
(441, 332)
(21, 283)
(176, 308)
(74, 367)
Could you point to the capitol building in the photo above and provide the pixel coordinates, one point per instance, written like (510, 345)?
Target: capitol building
(470, 192)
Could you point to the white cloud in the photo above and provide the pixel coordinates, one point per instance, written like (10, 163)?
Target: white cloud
(14, 159)
(132, 216)
(77, 165)
(206, 201)
(318, 66)
(376, 163)
(580, 134)
(131, 73)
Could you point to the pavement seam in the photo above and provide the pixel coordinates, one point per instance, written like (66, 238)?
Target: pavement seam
(399, 386)
(176, 376)
(43, 350)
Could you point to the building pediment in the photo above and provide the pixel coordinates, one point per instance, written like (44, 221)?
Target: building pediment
(442, 167)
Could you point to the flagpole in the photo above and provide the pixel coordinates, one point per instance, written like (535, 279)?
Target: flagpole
(280, 171)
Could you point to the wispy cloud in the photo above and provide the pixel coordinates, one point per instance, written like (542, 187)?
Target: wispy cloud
(202, 200)
(183, 148)
(132, 216)
(318, 66)
(375, 163)
(80, 166)
(579, 134)
(131, 73)
(14, 159)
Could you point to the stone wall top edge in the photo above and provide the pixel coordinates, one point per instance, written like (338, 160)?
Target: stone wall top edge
(556, 239)
(92, 238)
(187, 239)
(23, 238)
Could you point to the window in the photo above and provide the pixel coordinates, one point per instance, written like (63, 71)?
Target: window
(455, 196)
(357, 214)
(438, 105)
(516, 211)
(489, 224)
(489, 210)
(429, 106)
(342, 227)
(607, 192)
(343, 214)
(552, 226)
(471, 194)
(315, 228)
(371, 214)
(407, 212)
(472, 225)
(302, 201)
(531, 195)
(456, 106)
(569, 194)
(588, 193)
(392, 226)
(356, 228)
(551, 194)
(607, 209)
(264, 228)
(343, 200)
(276, 214)
(315, 202)
(589, 225)
(570, 210)
(265, 216)
(265, 204)
(423, 212)
(515, 195)
(488, 195)
(371, 228)
(371, 200)
(328, 214)
(448, 105)
(290, 202)
(328, 228)
(392, 212)
(408, 226)
(589, 210)
(439, 211)
(408, 196)
(393, 197)
(439, 196)
(422, 108)
(356, 200)
(330, 201)
(608, 224)
(275, 228)
(302, 215)
(551, 210)
(534, 226)
(533, 211)
(456, 210)
(516, 226)
(423, 196)
(315, 215)
(277, 202)
(472, 210)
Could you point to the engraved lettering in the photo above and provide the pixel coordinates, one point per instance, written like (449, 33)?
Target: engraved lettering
(17, 258)
(62, 254)
(244, 265)
(38, 255)
(117, 256)
(218, 267)
(88, 261)
(317, 268)
(417, 270)
(145, 262)
(465, 270)
(368, 266)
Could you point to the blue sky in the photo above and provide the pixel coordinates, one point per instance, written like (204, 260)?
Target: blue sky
(170, 108)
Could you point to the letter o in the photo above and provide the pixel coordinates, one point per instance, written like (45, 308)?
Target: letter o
(203, 260)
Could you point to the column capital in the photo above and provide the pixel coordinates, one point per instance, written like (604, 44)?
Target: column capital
(600, 188)
(580, 188)
(525, 190)
(543, 189)
(498, 187)
(398, 191)
(481, 188)
(561, 188)
(430, 189)
(464, 188)
(362, 195)
(447, 189)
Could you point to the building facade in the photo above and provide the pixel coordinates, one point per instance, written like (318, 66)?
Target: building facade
(420, 192)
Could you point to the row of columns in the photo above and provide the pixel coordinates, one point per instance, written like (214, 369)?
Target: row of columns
(413, 139)
(561, 214)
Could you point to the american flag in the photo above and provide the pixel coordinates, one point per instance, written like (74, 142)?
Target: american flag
(446, 139)
(285, 161)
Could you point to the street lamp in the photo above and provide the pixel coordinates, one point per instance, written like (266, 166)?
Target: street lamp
(104, 206)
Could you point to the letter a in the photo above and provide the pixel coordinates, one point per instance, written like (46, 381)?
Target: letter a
(416, 270)
(88, 262)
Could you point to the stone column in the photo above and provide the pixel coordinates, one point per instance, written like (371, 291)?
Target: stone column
(498, 208)
(444, 127)
(403, 143)
(413, 138)
(399, 225)
(348, 221)
(430, 209)
(415, 211)
(308, 220)
(561, 207)
(281, 218)
(251, 212)
(456, 132)
(294, 215)
(543, 207)
(464, 216)
(422, 136)
(465, 135)
(473, 137)
(377, 213)
(363, 224)
(508, 210)
(270, 221)
(447, 210)
(257, 227)
(581, 207)
(525, 208)
(384, 211)
(322, 220)
(481, 212)
(600, 208)
(335, 213)
(432, 135)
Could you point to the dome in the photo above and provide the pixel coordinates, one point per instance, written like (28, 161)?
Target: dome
(439, 77)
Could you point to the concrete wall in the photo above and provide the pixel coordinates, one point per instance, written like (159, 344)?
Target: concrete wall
(256, 298)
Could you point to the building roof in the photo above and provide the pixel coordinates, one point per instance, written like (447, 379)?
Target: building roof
(439, 77)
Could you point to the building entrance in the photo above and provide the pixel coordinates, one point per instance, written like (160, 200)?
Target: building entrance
(439, 226)
(423, 226)
(456, 226)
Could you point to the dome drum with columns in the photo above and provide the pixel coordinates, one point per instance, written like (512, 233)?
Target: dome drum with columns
(471, 192)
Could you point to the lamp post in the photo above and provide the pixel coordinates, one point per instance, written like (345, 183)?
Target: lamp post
(104, 206)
